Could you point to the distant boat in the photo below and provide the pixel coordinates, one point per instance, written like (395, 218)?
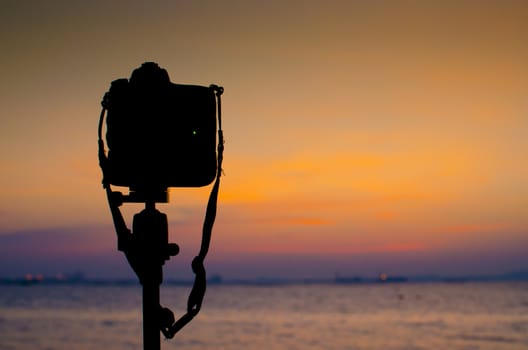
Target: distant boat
(347, 280)
(385, 278)
(381, 278)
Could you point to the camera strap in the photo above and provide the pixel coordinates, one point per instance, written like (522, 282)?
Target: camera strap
(197, 293)
(196, 296)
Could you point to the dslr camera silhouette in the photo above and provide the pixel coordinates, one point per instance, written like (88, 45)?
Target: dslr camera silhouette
(159, 134)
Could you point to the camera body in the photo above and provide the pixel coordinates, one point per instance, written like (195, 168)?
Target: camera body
(160, 134)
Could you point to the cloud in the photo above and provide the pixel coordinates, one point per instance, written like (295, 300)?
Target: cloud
(58, 250)
(81, 241)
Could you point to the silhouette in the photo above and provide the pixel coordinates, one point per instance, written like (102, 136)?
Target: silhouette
(159, 135)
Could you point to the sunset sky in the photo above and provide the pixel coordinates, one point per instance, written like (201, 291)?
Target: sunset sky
(361, 136)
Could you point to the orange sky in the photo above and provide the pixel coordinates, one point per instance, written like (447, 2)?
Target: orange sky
(353, 128)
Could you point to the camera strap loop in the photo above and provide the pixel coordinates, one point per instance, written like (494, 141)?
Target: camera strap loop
(103, 159)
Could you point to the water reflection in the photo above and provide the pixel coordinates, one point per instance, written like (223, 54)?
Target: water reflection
(481, 316)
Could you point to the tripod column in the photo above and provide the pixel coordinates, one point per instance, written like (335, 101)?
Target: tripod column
(151, 331)
(151, 231)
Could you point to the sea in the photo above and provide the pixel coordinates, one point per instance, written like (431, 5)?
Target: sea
(363, 316)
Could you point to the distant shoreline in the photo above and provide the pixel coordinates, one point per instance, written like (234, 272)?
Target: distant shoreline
(521, 276)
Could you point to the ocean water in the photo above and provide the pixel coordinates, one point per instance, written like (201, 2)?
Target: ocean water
(469, 316)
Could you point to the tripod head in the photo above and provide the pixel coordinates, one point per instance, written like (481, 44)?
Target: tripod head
(155, 196)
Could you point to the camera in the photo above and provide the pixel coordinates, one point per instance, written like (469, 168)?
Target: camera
(160, 134)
